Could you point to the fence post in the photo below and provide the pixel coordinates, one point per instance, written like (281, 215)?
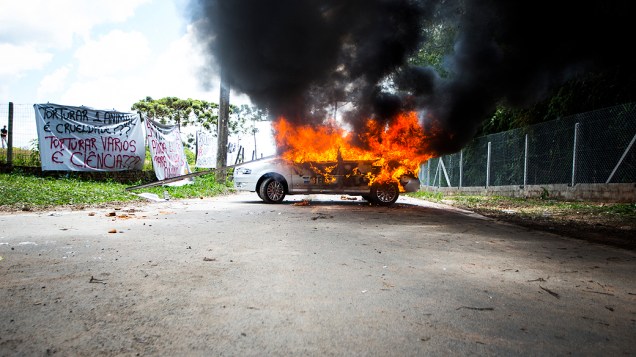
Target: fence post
(488, 167)
(443, 168)
(461, 168)
(10, 136)
(428, 172)
(525, 163)
(576, 136)
(620, 161)
(439, 172)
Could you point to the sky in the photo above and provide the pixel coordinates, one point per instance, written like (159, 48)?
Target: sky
(105, 54)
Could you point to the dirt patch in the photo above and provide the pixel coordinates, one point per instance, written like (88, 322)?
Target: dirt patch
(594, 222)
(72, 207)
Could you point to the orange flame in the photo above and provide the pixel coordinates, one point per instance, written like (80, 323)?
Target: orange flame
(398, 148)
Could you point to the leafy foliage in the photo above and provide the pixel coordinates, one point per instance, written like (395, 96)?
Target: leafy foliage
(584, 92)
(439, 42)
(182, 112)
(189, 112)
(245, 119)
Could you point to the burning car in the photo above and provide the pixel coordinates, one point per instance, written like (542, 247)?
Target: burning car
(273, 178)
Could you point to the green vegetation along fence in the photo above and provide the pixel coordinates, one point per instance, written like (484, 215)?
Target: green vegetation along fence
(21, 147)
(593, 147)
(23, 135)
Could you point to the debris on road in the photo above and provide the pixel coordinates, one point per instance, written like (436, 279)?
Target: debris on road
(600, 292)
(304, 202)
(476, 308)
(150, 196)
(321, 216)
(550, 292)
(96, 281)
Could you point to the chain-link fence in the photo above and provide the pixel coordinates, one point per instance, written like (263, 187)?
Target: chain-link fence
(593, 147)
(22, 135)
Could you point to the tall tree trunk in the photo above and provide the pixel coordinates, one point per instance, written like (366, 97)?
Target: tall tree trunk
(224, 116)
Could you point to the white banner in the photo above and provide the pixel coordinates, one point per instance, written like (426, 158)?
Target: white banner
(206, 150)
(87, 139)
(166, 149)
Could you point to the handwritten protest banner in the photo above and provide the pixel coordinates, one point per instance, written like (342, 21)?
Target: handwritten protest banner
(87, 139)
(206, 150)
(166, 150)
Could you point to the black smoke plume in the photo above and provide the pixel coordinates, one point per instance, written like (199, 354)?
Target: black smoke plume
(296, 58)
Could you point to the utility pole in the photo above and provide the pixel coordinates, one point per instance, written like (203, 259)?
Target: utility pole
(224, 116)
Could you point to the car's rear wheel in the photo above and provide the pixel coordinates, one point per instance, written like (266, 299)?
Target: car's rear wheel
(272, 190)
(385, 194)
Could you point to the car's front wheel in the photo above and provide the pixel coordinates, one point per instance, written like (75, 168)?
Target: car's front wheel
(385, 194)
(272, 190)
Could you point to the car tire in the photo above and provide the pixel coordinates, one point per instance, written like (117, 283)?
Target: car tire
(385, 194)
(272, 190)
(367, 198)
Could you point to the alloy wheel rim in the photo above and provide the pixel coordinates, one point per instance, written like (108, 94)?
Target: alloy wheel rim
(386, 193)
(275, 190)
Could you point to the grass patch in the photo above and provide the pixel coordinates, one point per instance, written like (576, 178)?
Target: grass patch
(533, 207)
(19, 191)
(202, 186)
(21, 157)
(605, 223)
(425, 195)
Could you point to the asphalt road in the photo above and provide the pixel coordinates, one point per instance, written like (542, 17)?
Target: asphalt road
(231, 276)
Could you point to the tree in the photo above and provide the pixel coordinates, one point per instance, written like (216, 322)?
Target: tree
(222, 131)
(591, 90)
(245, 121)
(439, 40)
(439, 43)
(182, 112)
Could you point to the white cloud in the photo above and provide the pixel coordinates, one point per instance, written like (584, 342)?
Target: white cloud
(53, 84)
(102, 93)
(109, 78)
(35, 34)
(15, 60)
(55, 24)
(177, 70)
(180, 70)
(108, 70)
(114, 53)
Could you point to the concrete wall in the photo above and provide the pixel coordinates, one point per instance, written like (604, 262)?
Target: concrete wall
(611, 192)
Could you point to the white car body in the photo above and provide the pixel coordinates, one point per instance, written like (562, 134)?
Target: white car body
(273, 178)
